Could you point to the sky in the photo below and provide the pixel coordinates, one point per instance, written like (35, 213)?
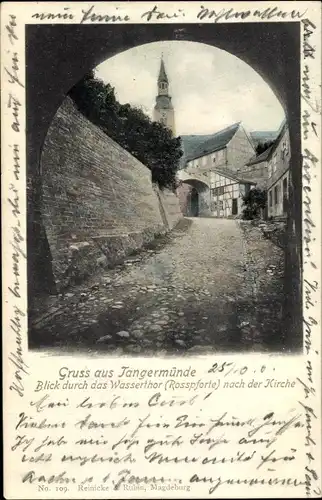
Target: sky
(210, 88)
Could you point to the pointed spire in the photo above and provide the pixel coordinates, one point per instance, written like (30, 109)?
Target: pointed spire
(162, 74)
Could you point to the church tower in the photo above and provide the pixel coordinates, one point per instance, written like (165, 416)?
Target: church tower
(163, 109)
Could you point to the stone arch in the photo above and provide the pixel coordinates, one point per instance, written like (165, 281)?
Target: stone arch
(194, 197)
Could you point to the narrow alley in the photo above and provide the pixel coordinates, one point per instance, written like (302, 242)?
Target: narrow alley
(212, 285)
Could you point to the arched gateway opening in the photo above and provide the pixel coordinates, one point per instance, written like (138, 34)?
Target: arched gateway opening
(272, 49)
(194, 203)
(194, 198)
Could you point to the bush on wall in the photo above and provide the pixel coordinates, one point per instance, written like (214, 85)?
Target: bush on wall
(150, 142)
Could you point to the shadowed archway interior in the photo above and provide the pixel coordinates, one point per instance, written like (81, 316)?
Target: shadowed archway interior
(194, 203)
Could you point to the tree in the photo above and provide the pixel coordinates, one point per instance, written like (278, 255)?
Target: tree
(254, 201)
(150, 142)
(263, 146)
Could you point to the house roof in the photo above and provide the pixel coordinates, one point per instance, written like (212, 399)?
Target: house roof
(260, 158)
(215, 142)
(225, 172)
(265, 156)
(189, 144)
(262, 136)
(281, 131)
(195, 146)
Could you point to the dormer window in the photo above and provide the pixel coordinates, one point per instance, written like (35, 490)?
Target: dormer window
(284, 151)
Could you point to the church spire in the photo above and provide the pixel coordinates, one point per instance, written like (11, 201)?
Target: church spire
(163, 110)
(162, 73)
(163, 82)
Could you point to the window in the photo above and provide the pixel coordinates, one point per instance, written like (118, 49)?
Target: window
(270, 198)
(213, 206)
(284, 151)
(276, 194)
(285, 187)
(218, 191)
(234, 209)
(274, 163)
(285, 195)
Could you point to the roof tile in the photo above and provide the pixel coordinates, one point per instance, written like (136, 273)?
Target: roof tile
(215, 142)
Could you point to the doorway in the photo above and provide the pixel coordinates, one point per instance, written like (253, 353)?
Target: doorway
(194, 203)
(234, 210)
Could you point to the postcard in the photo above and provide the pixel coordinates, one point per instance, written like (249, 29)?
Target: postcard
(161, 202)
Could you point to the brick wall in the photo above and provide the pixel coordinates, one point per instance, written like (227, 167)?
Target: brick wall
(97, 201)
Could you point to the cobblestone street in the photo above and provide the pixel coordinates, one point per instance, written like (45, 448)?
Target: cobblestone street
(213, 285)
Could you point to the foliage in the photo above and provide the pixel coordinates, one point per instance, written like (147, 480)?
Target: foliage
(262, 146)
(150, 142)
(254, 201)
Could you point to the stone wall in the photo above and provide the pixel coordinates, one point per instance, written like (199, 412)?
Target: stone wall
(169, 207)
(184, 193)
(278, 207)
(239, 150)
(279, 176)
(280, 158)
(257, 172)
(97, 201)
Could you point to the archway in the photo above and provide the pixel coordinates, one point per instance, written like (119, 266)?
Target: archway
(194, 198)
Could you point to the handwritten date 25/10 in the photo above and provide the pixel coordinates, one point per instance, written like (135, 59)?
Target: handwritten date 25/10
(231, 369)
